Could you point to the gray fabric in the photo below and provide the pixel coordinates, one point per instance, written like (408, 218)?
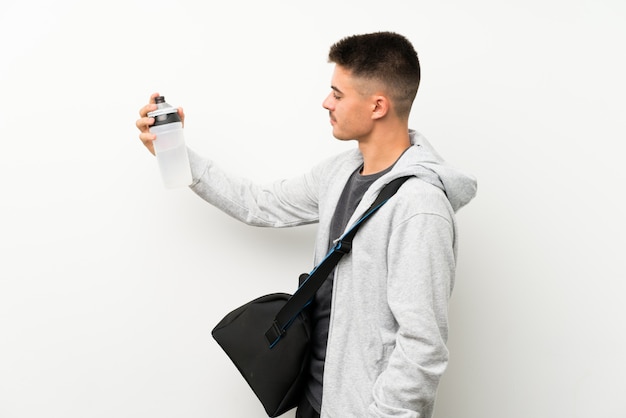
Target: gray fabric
(352, 194)
(387, 336)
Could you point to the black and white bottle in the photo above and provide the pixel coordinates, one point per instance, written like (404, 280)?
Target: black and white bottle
(169, 145)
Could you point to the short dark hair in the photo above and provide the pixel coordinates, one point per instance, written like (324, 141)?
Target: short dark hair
(383, 56)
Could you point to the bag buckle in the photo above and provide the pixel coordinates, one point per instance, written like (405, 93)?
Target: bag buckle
(274, 333)
(343, 247)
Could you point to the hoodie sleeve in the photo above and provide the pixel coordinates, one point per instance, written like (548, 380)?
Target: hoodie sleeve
(421, 276)
(283, 203)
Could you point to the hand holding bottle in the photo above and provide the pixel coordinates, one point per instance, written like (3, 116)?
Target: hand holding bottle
(144, 122)
(161, 127)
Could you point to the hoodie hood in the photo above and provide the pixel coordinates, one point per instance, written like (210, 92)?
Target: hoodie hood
(423, 161)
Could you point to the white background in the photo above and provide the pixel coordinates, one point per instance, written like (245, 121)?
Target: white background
(110, 284)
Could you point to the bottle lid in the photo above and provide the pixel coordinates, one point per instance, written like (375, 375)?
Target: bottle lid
(165, 113)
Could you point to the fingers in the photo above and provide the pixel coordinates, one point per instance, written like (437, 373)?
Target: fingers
(146, 136)
(144, 123)
(147, 140)
(181, 113)
(154, 96)
(143, 112)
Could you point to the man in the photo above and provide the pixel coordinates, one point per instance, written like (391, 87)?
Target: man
(380, 320)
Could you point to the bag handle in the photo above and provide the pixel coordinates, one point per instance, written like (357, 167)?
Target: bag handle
(304, 295)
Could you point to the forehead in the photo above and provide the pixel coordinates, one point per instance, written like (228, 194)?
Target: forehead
(342, 78)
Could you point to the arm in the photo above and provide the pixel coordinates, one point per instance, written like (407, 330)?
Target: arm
(421, 275)
(282, 203)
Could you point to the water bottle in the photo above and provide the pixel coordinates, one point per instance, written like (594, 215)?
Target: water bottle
(169, 145)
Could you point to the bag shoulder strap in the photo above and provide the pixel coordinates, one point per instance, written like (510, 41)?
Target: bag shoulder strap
(303, 296)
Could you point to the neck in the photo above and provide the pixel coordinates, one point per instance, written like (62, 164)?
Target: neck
(382, 150)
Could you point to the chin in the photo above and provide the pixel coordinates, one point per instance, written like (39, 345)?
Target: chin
(340, 137)
(343, 137)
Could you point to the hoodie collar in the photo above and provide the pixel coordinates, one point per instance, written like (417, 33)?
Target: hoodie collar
(424, 162)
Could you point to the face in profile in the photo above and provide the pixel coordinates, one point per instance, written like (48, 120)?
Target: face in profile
(350, 110)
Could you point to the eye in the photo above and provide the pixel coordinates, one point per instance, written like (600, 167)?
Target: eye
(336, 96)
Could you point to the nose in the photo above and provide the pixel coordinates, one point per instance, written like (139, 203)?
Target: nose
(326, 104)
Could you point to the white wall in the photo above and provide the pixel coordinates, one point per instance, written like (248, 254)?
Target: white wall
(110, 284)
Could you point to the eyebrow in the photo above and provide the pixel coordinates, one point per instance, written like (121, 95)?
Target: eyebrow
(336, 89)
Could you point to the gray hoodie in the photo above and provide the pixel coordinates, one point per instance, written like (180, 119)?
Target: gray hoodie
(389, 315)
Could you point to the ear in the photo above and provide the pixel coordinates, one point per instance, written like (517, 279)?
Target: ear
(380, 106)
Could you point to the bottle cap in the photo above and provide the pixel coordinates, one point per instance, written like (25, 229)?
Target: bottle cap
(164, 113)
